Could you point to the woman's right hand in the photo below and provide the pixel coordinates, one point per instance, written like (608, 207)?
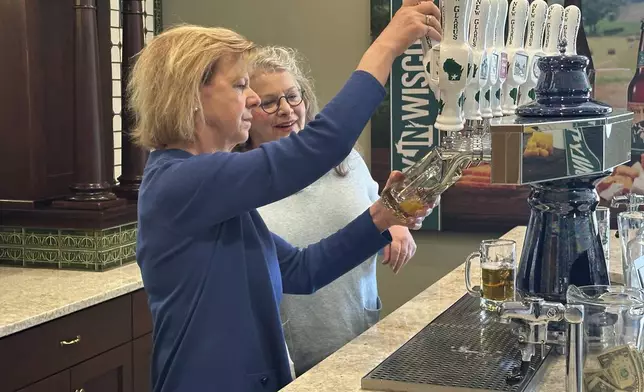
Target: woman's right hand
(408, 24)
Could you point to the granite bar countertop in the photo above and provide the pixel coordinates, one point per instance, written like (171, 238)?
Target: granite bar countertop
(343, 370)
(29, 297)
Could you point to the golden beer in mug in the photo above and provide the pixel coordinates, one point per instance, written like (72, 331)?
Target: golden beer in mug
(498, 273)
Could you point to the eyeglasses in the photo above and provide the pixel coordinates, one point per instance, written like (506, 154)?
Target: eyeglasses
(293, 99)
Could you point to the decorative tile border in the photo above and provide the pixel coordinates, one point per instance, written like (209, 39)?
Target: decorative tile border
(90, 250)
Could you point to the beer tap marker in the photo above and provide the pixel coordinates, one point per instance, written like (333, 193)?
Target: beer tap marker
(502, 57)
(453, 58)
(517, 73)
(536, 19)
(554, 22)
(492, 61)
(570, 28)
(477, 40)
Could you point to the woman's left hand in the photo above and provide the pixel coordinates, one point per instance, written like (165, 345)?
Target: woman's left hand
(401, 248)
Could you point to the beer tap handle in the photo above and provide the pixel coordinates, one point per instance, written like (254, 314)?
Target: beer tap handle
(554, 22)
(479, 21)
(570, 29)
(431, 49)
(517, 20)
(499, 31)
(536, 25)
(490, 28)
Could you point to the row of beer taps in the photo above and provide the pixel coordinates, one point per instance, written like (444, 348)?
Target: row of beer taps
(476, 74)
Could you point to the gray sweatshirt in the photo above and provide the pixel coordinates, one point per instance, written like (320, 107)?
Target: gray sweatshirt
(317, 325)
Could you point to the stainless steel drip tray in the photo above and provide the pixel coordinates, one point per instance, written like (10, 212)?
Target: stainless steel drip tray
(461, 350)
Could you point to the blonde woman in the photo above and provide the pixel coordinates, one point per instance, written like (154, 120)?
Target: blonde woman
(213, 272)
(319, 324)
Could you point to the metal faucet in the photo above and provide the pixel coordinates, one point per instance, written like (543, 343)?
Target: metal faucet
(533, 316)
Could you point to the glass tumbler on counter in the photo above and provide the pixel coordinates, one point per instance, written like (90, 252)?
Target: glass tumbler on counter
(602, 219)
(613, 337)
(498, 273)
(630, 225)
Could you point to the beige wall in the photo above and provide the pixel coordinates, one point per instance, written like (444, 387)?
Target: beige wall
(332, 34)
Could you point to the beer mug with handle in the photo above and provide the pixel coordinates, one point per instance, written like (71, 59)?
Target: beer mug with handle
(498, 273)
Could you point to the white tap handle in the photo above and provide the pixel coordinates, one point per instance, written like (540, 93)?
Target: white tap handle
(478, 23)
(536, 25)
(554, 23)
(571, 22)
(490, 29)
(430, 48)
(517, 57)
(502, 57)
(468, 16)
(489, 67)
(454, 58)
(516, 23)
(499, 31)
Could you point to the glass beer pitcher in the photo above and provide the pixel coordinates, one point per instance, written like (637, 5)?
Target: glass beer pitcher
(425, 181)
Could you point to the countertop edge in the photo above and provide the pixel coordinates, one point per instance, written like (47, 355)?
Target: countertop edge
(68, 309)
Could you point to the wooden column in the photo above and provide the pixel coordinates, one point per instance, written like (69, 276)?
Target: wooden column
(90, 188)
(133, 158)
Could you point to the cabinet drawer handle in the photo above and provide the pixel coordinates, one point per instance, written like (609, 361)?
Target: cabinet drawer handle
(64, 343)
(80, 390)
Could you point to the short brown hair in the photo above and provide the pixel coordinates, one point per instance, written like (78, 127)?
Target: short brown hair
(163, 89)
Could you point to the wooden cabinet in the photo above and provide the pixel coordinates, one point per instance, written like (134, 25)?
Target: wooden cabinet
(109, 372)
(56, 383)
(104, 348)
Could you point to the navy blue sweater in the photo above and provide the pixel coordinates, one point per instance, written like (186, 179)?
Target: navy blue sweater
(214, 273)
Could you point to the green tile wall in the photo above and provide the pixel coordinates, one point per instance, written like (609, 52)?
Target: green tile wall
(89, 250)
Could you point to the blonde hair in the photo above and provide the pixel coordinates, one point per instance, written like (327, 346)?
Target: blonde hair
(271, 59)
(163, 89)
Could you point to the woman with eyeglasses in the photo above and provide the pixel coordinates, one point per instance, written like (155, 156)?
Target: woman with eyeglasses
(317, 325)
(213, 272)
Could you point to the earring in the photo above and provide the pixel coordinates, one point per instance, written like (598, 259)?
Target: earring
(196, 110)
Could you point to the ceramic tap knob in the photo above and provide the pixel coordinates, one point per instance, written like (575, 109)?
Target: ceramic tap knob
(501, 55)
(479, 65)
(492, 62)
(554, 22)
(570, 28)
(453, 58)
(536, 19)
(517, 73)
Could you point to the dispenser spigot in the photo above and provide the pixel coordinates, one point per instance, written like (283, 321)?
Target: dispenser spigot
(533, 316)
(632, 201)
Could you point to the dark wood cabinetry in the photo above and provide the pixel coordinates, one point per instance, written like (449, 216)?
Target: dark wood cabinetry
(104, 348)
